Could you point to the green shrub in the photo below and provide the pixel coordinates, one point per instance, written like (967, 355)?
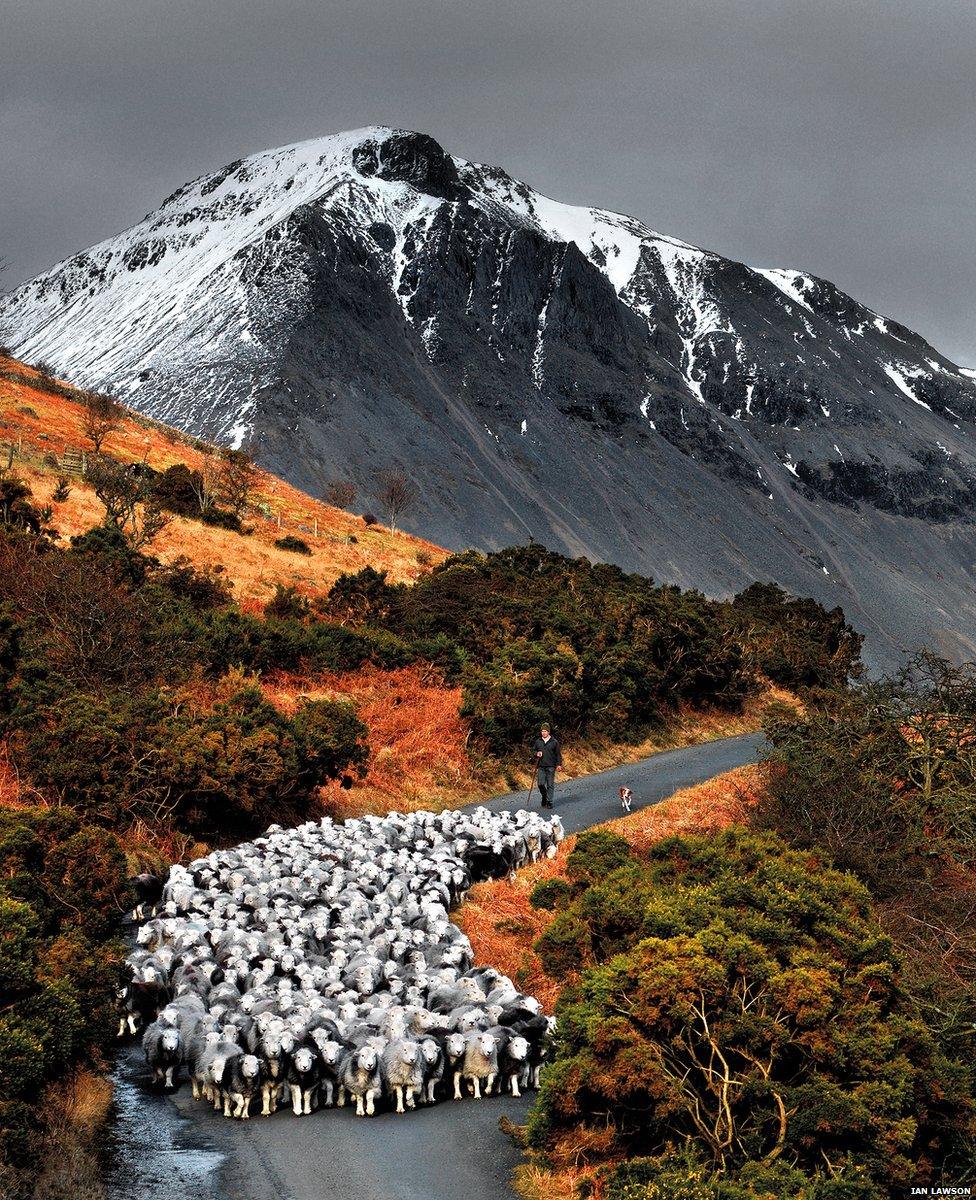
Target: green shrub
(796, 642)
(769, 1022)
(551, 894)
(287, 603)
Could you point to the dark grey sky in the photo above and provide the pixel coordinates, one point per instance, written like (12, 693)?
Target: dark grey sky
(834, 135)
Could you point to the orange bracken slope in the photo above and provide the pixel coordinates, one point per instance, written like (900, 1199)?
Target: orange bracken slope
(43, 424)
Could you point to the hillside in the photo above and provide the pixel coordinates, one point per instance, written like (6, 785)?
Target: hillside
(431, 740)
(43, 418)
(542, 370)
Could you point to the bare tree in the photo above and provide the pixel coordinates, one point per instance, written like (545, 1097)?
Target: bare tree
(341, 493)
(103, 415)
(126, 493)
(397, 492)
(238, 476)
(207, 482)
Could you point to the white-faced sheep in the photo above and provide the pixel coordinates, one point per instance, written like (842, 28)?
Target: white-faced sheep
(403, 1072)
(164, 1050)
(360, 1079)
(323, 959)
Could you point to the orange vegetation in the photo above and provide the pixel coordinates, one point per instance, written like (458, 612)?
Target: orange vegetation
(417, 739)
(503, 925)
(43, 425)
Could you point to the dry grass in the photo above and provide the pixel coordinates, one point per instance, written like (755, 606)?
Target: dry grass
(418, 742)
(69, 1163)
(47, 424)
(502, 924)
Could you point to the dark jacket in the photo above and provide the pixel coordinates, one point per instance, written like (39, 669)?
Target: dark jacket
(552, 752)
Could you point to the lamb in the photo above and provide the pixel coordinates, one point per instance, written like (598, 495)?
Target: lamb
(330, 1058)
(480, 1062)
(164, 1050)
(241, 1080)
(302, 1075)
(359, 1077)
(403, 1072)
(513, 1065)
(433, 1062)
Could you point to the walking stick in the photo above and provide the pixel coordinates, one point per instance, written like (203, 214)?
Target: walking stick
(532, 784)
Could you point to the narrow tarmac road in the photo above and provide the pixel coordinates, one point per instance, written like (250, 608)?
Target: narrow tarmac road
(451, 1151)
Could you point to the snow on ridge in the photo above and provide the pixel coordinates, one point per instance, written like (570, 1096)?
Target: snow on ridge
(902, 382)
(792, 284)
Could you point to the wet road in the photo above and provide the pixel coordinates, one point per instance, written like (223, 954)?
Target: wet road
(451, 1151)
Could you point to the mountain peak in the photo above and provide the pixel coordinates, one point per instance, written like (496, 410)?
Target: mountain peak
(407, 157)
(328, 303)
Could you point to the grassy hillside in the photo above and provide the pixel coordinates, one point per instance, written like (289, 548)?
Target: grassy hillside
(44, 418)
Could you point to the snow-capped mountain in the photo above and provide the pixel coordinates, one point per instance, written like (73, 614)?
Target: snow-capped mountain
(541, 369)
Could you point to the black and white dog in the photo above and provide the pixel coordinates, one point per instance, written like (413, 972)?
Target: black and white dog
(626, 797)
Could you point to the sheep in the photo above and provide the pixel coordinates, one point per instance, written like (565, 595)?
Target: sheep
(241, 1080)
(359, 1078)
(211, 1067)
(302, 1075)
(164, 1050)
(330, 1058)
(403, 1072)
(328, 952)
(513, 1065)
(433, 1062)
(480, 1062)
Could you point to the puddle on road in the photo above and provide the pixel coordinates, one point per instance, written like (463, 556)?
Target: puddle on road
(151, 1150)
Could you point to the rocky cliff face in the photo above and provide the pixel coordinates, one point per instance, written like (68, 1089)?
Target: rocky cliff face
(542, 370)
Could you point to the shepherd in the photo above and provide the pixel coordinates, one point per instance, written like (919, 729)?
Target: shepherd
(548, 756)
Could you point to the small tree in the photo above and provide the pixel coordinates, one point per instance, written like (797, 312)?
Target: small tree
(103, 415)
(238, 475)
(126, 493)
(341, 493)
(397, 492)
(207, 482)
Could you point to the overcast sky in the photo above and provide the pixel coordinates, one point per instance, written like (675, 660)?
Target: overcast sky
(838, 136)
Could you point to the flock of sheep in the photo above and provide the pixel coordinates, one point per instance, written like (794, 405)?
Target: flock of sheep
(319, 966)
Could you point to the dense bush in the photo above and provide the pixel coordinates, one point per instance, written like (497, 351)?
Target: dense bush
(733, 995)
(220, 770)
(545, 637)
(883, 778)
(62, 890)
(796, 642)
(296, 544)
(592, 649)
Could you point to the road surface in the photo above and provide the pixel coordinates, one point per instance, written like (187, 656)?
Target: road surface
(451, 1151)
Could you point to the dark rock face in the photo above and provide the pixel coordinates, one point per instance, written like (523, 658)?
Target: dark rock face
(413, 158)
(544, 371)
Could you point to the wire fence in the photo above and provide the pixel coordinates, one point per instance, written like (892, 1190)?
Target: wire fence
(72, 462)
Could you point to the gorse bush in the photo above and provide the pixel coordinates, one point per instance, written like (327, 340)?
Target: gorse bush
(737, 996)
(883, 780)
(604, 653)
(62, 891)
(793, 641)
(296, 545)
